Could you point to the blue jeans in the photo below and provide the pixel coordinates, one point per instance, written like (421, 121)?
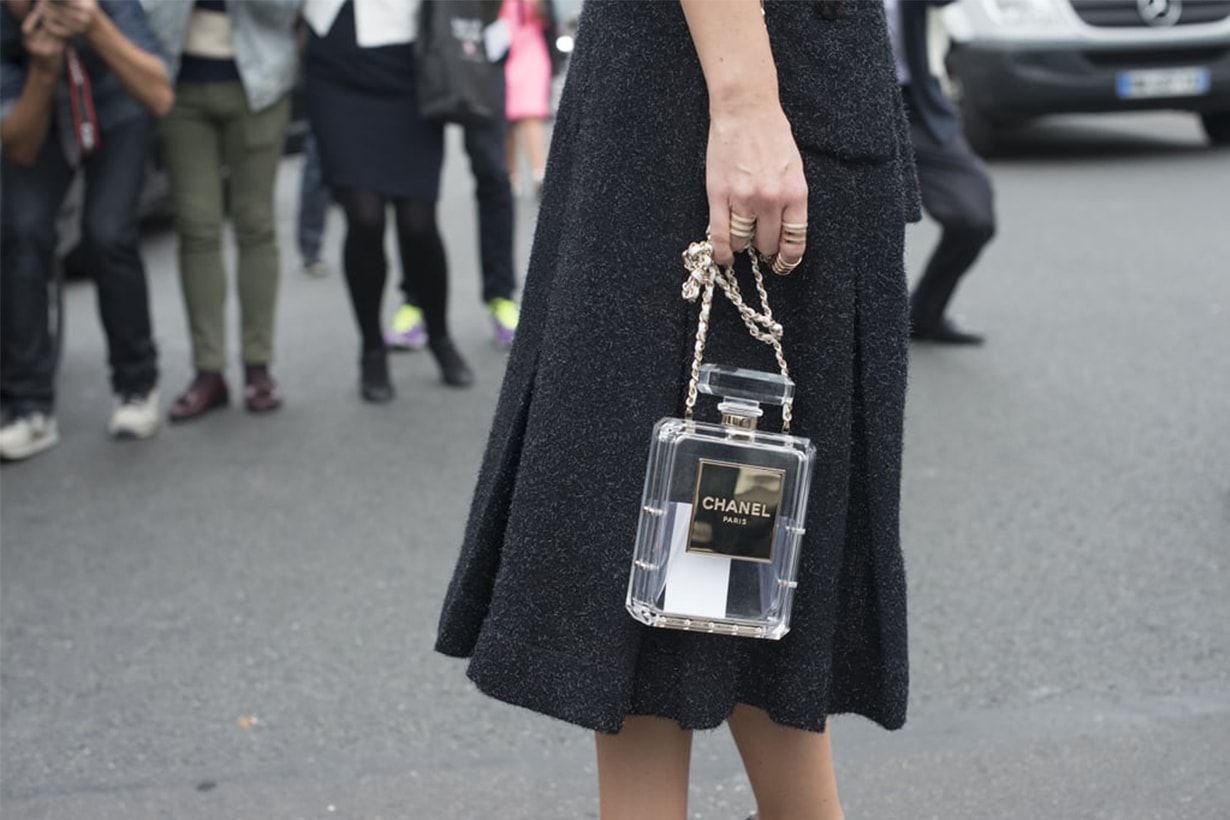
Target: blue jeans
(314, 200)
(30, 200)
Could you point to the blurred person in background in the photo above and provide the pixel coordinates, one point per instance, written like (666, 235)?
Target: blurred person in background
(498, 281)
(314, 200)
(528, 74)
(376, 151)
(98, 113)
(314, 196)
(955, 186)
(234, 63)
(485, 147)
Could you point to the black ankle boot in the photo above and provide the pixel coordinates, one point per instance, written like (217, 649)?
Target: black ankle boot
(374, 383)
(453, 368)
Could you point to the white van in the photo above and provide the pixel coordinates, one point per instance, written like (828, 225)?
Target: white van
(1011, 60)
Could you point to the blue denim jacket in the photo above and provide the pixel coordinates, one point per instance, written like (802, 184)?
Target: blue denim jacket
(112, 103)
(266, 51)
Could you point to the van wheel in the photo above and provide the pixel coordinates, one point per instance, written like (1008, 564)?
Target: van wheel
(1217, 126)
(980, 131)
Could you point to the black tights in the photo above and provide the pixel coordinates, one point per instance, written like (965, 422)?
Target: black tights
(422, 259)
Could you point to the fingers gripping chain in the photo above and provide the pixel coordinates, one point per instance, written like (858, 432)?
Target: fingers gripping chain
(704, 275)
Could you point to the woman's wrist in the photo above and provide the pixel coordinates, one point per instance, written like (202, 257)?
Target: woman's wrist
(740, 111)
(742, 104)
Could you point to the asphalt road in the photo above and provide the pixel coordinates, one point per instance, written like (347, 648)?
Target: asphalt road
(235, 619)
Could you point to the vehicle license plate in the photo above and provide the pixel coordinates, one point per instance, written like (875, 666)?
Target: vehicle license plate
(1162, 82)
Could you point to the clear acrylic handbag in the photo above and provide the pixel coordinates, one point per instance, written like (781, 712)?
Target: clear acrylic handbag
(721, 520)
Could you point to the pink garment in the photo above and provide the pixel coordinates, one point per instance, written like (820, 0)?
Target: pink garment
(528, 70)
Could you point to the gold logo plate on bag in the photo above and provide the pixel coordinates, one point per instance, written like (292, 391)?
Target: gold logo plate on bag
(734, 510)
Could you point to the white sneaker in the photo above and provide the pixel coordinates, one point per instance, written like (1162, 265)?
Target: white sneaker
(135, 416)
(317, 270)
(27, 435)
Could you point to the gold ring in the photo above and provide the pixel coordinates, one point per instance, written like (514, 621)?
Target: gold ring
(794, 226)
(742, 234)
(783, 268)
(793, 234)
(741, 222)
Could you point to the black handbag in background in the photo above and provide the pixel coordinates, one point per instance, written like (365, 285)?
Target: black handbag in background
(455, 81)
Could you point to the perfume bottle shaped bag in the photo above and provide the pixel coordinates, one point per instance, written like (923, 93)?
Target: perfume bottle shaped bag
(722, 512)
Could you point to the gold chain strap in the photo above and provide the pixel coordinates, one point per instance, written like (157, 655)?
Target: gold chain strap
(703, 276)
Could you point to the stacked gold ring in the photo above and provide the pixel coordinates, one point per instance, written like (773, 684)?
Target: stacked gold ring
(794, 233)
(783, 268)
(742, 227)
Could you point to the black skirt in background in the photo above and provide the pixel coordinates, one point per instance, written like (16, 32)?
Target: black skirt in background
(364, 113)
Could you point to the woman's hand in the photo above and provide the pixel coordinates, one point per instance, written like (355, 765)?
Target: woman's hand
(754, 173)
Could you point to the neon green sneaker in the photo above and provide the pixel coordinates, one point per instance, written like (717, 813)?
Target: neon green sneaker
(408, 332)
(504, 317)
